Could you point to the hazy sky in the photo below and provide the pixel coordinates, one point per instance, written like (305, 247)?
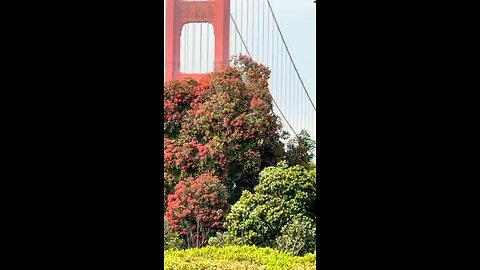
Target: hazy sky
(297, 23)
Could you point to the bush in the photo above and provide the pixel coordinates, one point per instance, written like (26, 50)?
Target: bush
(234, 258)
(224, 239)
(298, 236)
(171, 239)
(295, 184)
(257, 219)
(197, 208)
(282, 194)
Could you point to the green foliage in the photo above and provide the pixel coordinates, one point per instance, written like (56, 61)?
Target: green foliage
(298, 236)
(299, 150)
(171, 239)
(294, 184)
(220, 137)
(282, 194)
(224, 239)
(234, 258)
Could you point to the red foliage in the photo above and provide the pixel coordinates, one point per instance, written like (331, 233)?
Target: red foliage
(223, 125)
(197, 208)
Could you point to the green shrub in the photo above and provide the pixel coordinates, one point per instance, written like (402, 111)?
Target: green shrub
(282, 194)
(171, 239)
(298, 236)
(224, 239)
(236, 257)
(258, 219)
(295, 184)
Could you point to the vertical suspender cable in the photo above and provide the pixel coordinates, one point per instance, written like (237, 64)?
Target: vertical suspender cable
(241, 23)
(273, 49)
(289, 89)
(285, 79)
(282, 77)
(258, 30)
(185, 47)
(291, 59)
(263, 32)
(235, 33)
(295, 94)
(201, 42)
(193, 48)
(208, 48)
(246, 21)
(253, 31)
(268, 29)
(252, 46)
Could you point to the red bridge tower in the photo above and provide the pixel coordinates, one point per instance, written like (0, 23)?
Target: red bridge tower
(181, 12)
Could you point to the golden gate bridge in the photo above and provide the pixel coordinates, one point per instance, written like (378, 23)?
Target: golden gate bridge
(201, 35)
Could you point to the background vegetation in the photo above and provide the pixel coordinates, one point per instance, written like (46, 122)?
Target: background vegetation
(231, 186)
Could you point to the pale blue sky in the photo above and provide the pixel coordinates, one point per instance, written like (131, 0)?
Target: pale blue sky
(297, 22)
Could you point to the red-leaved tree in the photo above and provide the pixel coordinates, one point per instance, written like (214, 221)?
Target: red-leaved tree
(223, 125)
(197, 208)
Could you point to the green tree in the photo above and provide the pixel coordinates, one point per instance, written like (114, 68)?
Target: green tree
(299, 150)
(282, 195)
(298, 236)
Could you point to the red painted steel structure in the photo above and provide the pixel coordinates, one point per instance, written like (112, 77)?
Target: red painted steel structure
(181, 12)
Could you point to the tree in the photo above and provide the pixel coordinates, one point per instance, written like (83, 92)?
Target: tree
(299, 150)
(223, 125)
(298, 236)
(283, 194)
(197, 208)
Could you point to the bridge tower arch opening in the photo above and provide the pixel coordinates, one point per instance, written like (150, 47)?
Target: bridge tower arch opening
(180, 13)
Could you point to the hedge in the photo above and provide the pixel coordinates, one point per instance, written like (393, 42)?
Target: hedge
(236, 257)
